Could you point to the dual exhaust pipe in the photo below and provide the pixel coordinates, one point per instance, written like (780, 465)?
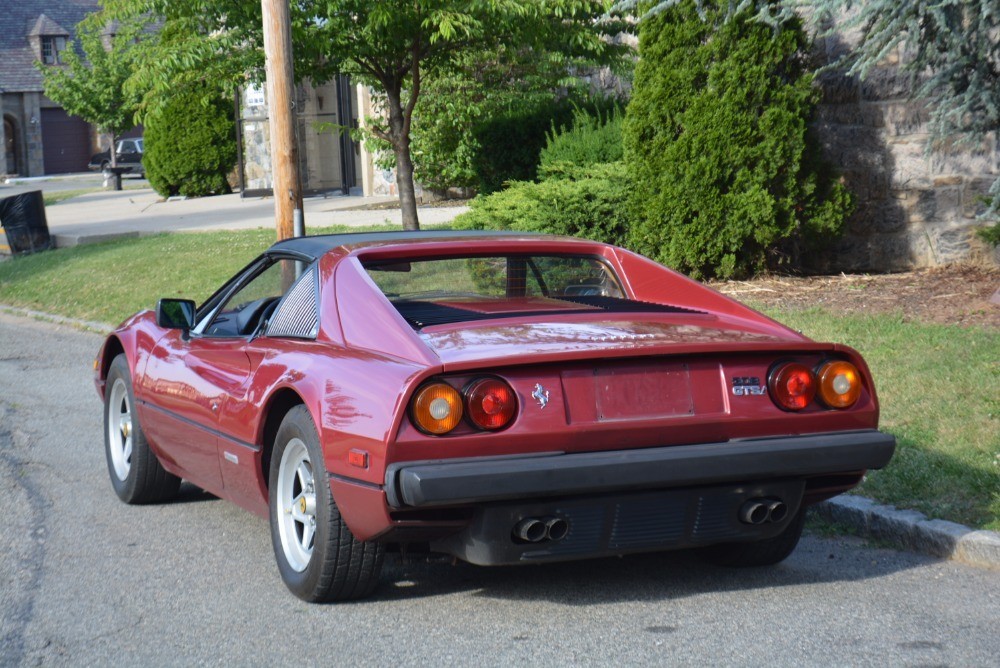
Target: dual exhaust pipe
(760, 511)
(541, 529)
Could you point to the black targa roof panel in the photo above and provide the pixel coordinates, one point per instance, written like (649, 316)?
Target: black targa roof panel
(318, 245)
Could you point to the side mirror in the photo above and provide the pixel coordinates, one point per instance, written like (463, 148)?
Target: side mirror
(175, 314)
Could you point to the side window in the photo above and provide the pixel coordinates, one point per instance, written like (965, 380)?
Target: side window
(251, 305)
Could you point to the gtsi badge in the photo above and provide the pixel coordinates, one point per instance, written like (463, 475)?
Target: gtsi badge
(748, 386)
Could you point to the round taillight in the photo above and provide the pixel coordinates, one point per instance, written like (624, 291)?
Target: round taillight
(839, 384)
(491, 403)
(792, 386)
(437, 408)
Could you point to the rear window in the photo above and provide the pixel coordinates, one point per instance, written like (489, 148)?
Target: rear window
(491, 279)
(459, 289)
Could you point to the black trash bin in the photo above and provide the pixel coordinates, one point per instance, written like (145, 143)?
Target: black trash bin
(23, 220)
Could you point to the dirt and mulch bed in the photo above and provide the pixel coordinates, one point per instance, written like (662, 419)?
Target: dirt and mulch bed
(955, 294)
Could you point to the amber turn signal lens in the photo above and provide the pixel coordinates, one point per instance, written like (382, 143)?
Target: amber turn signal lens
(792, 386)
(437, 408)
(839, 384)
(491, 403)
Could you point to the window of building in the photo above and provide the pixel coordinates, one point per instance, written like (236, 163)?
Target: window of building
(51, 48)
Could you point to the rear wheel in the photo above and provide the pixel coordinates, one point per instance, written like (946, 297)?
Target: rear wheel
(318, 557)
(765, 552)
(136, 474)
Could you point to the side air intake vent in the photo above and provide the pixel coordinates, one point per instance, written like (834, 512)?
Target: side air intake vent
(297, 315)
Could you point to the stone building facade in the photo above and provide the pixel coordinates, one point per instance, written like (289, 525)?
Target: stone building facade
(37, 135)
(329, 160)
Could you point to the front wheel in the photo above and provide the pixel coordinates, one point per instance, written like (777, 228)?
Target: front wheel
(765, 552)
(318, 557)
(136, 474)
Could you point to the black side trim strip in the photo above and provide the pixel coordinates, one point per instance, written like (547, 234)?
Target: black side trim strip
(420, 313)
(355, 481)
(193, 423)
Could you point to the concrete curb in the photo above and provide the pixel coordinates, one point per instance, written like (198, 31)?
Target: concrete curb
(910, 530)
(88, 325)
(70, 240)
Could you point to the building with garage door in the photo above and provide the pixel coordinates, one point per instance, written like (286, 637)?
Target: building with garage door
(38, 136)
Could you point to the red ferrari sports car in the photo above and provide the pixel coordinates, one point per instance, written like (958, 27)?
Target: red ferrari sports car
(504, 398)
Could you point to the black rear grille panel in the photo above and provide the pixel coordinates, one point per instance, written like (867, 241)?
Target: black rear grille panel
(420, 314)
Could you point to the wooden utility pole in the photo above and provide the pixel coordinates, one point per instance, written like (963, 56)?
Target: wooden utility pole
(281, 117)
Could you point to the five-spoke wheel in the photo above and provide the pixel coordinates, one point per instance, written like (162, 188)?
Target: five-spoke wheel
(318, 557)
(136, 474)
(296, 500)
(120, 429)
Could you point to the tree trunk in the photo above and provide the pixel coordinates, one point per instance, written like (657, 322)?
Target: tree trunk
(400, 139)
(116, 177)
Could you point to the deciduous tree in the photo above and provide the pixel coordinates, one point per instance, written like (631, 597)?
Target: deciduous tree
(391, 45)
(92, 85)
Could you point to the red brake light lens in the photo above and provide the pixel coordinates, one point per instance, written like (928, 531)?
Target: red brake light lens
(792, 386)
(490, 403)
(839, 384)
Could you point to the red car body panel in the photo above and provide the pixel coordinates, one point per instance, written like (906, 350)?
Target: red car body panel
(204, 402)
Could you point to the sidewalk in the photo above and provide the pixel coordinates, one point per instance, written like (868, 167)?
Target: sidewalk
(106, 215)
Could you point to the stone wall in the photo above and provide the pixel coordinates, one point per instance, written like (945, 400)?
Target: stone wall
(915, 208)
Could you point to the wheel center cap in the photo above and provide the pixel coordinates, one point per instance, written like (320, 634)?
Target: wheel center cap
(127, 429)
(302, 505)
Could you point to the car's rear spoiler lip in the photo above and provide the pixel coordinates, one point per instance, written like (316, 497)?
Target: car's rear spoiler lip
(487, 479)
(452, 363)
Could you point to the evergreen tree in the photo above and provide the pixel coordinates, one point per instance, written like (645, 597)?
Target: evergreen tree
(726, 180)
(191, 143)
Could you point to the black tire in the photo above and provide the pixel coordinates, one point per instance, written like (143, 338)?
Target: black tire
(337, 566)
(765, 552)
(136, 474)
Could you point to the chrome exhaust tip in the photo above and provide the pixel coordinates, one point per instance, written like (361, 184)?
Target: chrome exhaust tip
(753, 511)
(776, 510)
(530, 530)
(556, 528)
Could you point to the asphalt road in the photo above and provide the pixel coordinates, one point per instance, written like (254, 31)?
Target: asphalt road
(87, 580)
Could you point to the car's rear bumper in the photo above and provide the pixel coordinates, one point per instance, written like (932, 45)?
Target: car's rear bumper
(490, 479)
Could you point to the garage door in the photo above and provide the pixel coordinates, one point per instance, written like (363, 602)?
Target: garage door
(65, 142)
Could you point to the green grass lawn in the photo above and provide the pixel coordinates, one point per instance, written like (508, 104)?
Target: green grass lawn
(939, 385)
(939, 389)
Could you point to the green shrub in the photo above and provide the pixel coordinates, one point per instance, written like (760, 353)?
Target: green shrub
(590, 203)
(990, 234)
(190, 144)
(592, 139)
(509, 144)
(727, 181)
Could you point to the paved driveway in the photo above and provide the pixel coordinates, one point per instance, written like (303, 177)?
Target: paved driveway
(87, 580)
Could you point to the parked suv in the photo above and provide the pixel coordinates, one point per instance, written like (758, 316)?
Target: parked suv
(129, 154)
